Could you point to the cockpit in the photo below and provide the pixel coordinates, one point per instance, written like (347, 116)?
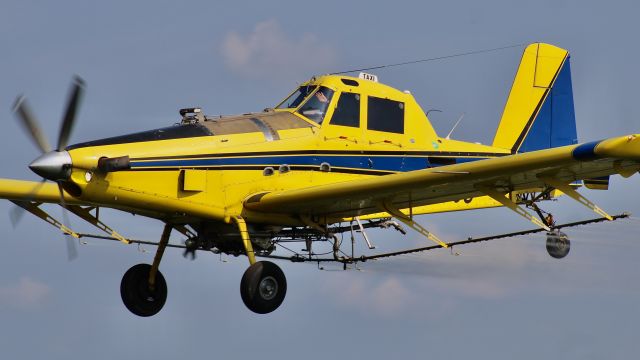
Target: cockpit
(312, 102)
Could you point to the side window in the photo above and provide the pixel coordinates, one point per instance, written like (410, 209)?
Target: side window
(347, 112)
(385, 115)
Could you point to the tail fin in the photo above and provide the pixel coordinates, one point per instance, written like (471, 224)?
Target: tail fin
(539, 112)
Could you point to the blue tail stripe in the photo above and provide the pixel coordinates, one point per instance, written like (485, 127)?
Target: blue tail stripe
(555, 124)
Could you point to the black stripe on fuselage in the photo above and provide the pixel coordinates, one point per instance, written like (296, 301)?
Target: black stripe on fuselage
(327, 152)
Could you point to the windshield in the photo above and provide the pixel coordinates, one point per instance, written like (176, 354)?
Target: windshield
(296, 98)
(316, 107)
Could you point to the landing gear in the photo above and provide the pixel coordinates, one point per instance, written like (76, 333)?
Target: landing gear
(143, 288)
(558, 244)
(263, 287)
(136, 293)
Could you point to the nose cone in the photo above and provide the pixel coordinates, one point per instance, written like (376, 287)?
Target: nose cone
(54, 165)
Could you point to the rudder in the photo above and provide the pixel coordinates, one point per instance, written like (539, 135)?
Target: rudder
(539, 112)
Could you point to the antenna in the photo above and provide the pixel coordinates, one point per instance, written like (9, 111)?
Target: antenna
(467, 53)
(454, 126)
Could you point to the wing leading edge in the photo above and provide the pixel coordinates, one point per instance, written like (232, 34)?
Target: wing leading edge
(620, 155)
(24, 190)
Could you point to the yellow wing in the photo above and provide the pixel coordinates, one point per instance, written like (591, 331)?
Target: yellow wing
(619, 155)
(19, 190)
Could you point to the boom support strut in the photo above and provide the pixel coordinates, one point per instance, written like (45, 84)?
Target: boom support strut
(509, 203)
(407, 220)
(572, 193)
(35, 209)
(85, 214)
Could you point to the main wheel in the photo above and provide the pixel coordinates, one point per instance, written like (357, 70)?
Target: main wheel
(137, 296)
(263, 287)
(558, 244)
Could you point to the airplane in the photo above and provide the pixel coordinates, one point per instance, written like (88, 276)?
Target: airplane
(338, 150)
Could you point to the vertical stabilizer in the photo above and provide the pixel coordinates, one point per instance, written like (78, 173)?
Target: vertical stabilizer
(539, 112)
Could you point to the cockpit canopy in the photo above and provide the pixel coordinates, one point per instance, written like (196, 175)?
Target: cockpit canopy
(311, 101)
(349, 109)
(297, 97)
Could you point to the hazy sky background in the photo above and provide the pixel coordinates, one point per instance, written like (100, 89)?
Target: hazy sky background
(145, 60)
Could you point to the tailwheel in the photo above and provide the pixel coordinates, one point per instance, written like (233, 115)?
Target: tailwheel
(138, 296)
(263, 287)
(558, 244)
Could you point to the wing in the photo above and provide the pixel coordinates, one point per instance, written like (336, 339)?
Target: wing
(48, 192)
(619, 155)
(44, 192)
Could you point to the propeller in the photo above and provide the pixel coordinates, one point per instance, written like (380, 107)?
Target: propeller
(54, 165)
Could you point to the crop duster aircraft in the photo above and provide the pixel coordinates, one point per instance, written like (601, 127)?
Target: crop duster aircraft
(338, 150)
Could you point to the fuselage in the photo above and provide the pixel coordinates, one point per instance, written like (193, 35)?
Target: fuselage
(331, 129)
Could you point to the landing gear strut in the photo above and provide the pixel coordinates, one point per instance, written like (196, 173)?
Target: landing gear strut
(263, 286)
(143, 288)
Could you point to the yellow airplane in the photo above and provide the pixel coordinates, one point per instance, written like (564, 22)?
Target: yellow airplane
(337, 150)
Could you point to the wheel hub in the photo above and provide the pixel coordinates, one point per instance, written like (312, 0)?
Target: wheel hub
(263, 287)
(268, 288)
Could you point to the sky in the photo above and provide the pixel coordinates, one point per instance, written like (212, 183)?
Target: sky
(144, 60)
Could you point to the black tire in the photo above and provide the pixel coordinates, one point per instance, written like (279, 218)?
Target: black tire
(263, 287)
(135, 292)
(558, 244)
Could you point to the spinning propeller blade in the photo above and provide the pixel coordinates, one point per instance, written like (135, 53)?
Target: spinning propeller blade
(72, 251)
(16, 212)
(75, 96)
(30, 124)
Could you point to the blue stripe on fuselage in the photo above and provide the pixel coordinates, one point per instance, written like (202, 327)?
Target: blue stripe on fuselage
(379, 163)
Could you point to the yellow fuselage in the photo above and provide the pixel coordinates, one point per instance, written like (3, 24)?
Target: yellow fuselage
(210, 176)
